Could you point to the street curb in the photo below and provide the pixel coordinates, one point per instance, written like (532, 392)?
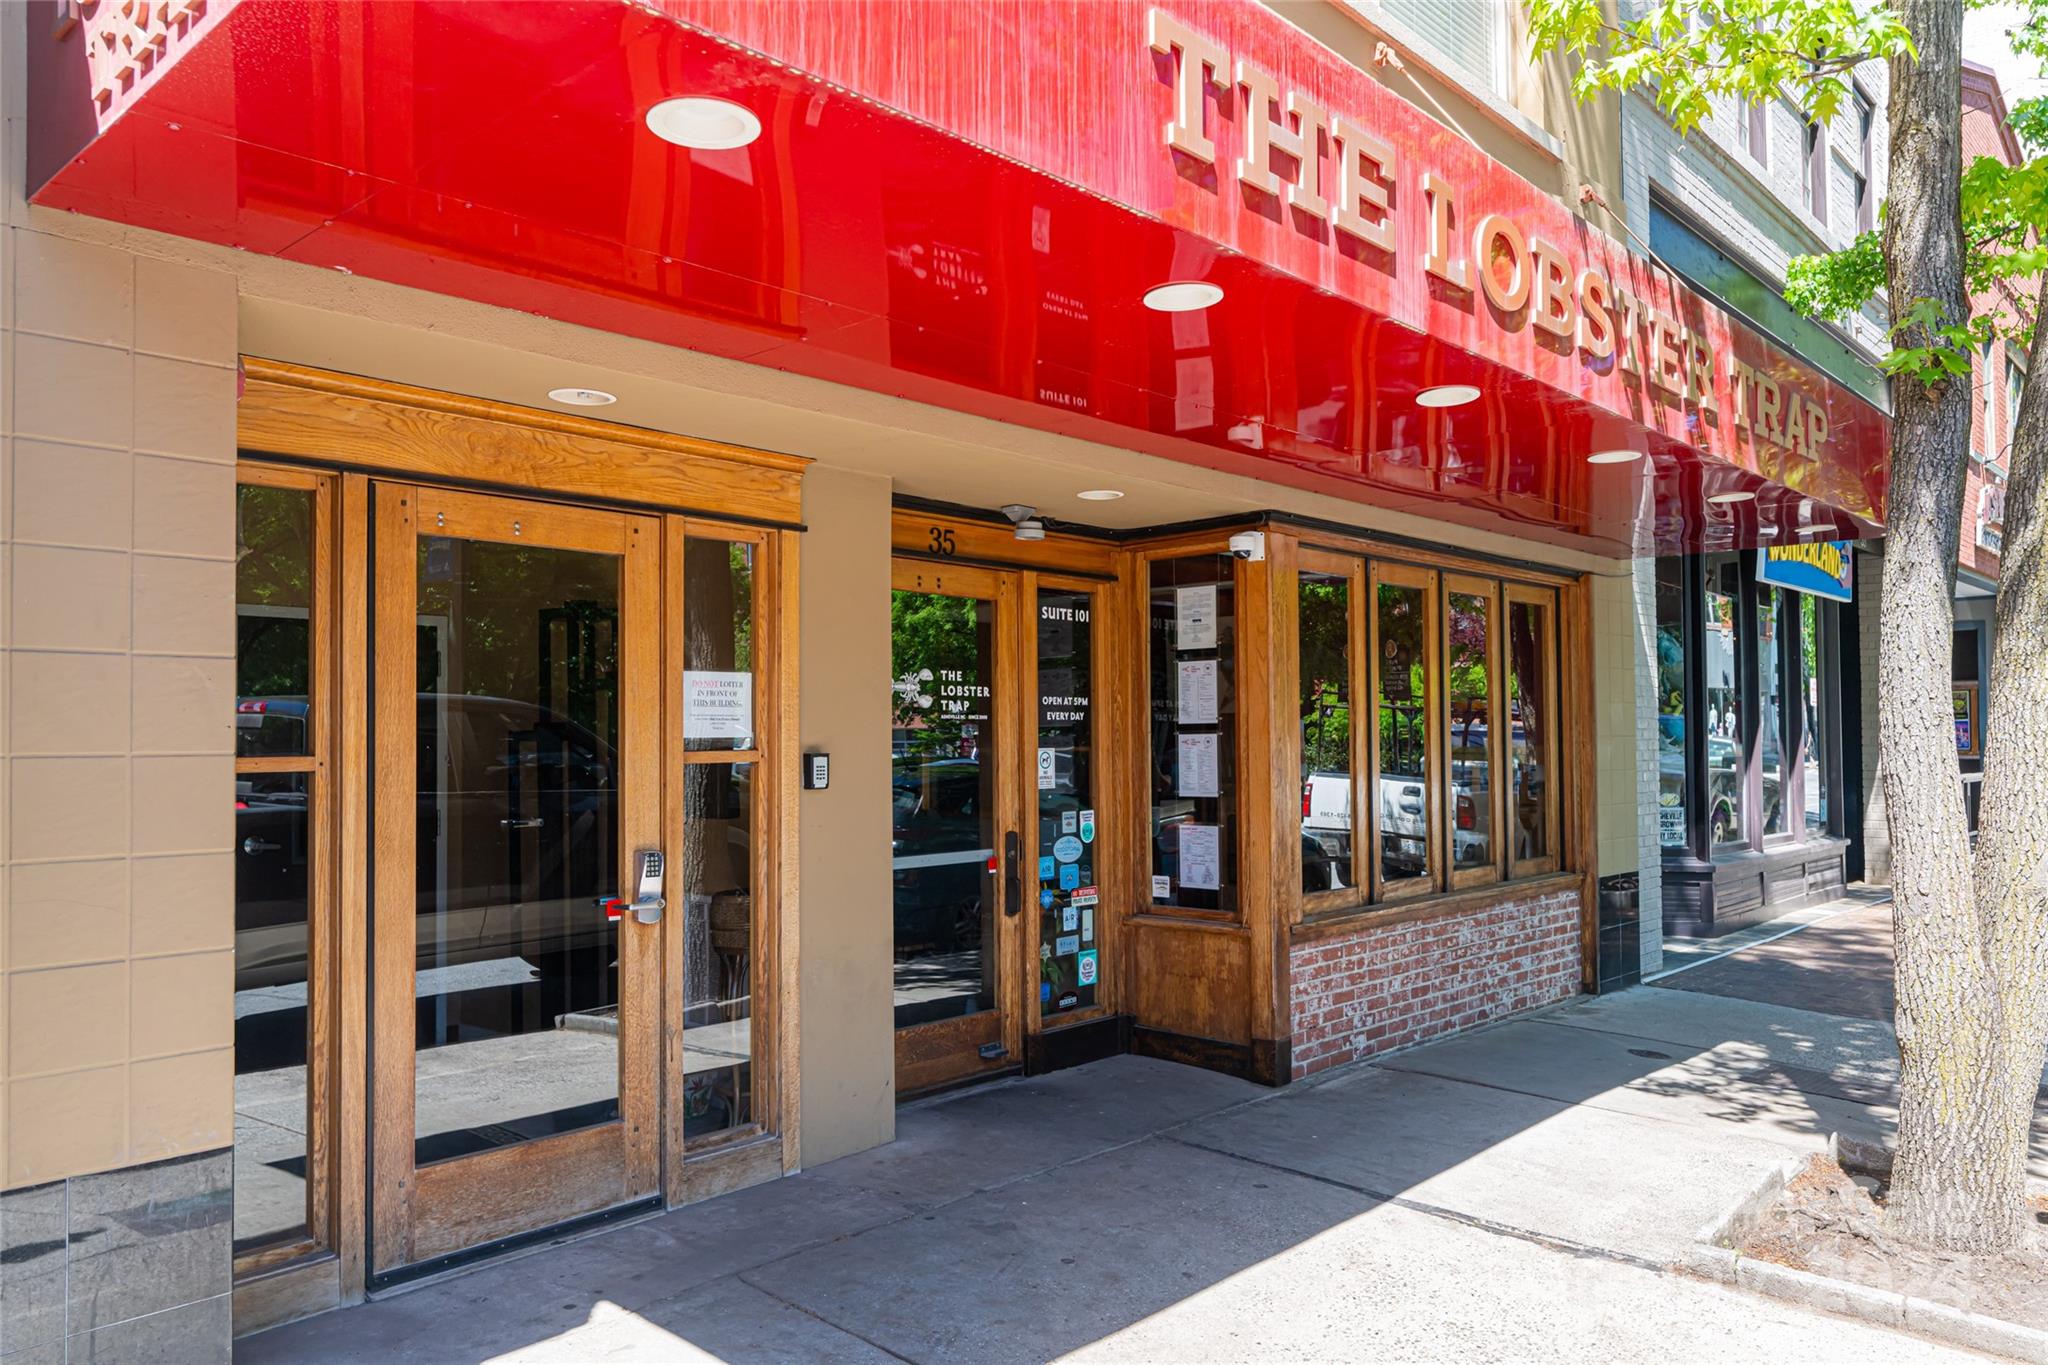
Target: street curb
(1712, 1256)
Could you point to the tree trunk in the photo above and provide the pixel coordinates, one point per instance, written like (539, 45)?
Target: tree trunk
(1955, 1183)
(2012, 839)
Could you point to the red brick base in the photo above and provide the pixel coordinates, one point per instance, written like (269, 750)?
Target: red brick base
(1388, 986)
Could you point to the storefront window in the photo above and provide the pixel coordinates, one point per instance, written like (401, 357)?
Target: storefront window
(1401, 697)
(1671, 784)
(1815, 773)
(1324, 616)
(1531, 719)
(1193, 628)
(1723, 694)
(1770, 708)
(1070, 968)
(718, 644)
(1468, 696)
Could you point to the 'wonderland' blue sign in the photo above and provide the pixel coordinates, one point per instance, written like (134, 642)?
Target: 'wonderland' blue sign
(1823, 568)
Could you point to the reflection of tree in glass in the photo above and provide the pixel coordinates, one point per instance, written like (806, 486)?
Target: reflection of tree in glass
(1403, 728)
(931, 635)
(524, 622)
(1325, 675)
(274, 575)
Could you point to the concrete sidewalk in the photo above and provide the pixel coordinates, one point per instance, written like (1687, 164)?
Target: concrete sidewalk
(1514, 1194)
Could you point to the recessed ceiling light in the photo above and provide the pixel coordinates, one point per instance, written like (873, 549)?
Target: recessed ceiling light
(1099, 494)
(583, 398)
(1739, 495)
(1183, 296)
(1446, 396)
(704, 124)
(1614, 456)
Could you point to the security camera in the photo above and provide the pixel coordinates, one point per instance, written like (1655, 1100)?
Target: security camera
(1248, 545)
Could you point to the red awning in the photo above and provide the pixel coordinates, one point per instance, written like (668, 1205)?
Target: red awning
(965, 204)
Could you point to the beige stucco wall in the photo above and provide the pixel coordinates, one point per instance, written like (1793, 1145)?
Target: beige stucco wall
(846, 926)
(117, 552)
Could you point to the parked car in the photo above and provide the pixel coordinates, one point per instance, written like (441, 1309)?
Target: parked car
(939, 853)
(517, 839)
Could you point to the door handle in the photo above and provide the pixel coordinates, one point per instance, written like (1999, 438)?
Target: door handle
(512, 822)
(1013, 873)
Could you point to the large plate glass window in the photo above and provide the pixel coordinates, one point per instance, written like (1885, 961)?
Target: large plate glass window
(1406, 764)
(1193, 637)
(1472, 717)
(1721, 668)
(1771, 717)
(1329, 740)
(284, 946)
(1532, 740)
(1672, 786)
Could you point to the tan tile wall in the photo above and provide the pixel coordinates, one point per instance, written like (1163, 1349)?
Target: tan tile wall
(116, 720)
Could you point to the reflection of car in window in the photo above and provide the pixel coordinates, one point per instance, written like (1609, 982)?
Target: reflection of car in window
(938, 854)
(517, 837)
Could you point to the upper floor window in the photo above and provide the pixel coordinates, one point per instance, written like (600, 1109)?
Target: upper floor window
(1866, 194)
(1760, 134)
(1987, 444)
(1814, 171)
(1470, 34)
(2015, 386)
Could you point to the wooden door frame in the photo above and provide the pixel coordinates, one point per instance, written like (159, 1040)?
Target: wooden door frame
(420, 1213)
(930, 1060)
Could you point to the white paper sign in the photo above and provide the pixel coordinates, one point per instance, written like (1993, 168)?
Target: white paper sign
(718, 705)
(1048, 768)
(1194, 617)
(1198, 774)
(1197, 692)
(1201, 857)
(1162, 888)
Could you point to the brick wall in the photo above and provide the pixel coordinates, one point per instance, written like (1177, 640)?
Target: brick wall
(1388, 986)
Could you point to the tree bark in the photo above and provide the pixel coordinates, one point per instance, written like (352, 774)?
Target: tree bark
(1954, 1183)
(2012, 837)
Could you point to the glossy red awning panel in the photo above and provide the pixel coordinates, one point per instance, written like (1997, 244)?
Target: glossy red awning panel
(963, 204)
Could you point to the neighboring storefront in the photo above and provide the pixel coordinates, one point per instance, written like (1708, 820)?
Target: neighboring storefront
(1757, 684)
(709, 622)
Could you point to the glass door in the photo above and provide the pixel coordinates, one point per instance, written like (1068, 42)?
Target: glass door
(516, 723)
(956, 845)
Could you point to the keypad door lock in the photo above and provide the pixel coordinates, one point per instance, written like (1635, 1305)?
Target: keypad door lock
(648, 902)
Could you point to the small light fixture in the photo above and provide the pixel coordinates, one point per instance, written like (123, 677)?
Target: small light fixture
(1614, 457)
(583, 398)
(1446, 396)
(1183, 296)
(703, 124)
(1739, 495)
(1099, 494)
(1766, 530)
(1024, 519)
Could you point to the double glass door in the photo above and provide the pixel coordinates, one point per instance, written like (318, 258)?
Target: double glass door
(1000, 910)
(515, 729)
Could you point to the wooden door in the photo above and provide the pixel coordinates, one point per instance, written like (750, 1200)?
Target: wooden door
(516, 732)
(958, 851)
